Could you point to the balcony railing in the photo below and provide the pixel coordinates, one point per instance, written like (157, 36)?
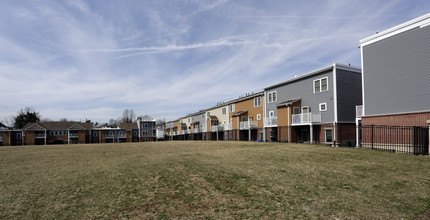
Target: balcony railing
(271, 121)
(175, 133)
(39, 135)
(169, 125)
(109, 135)
(228, 126)
(204, 128)
(244, 125)
(121, 135)
(358, 111)
(73, 135)
(1, 137)
(305, 118)
(196, 130)
(216, 128)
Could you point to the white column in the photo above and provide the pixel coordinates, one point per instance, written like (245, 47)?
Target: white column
(289, 125)
(68, 136)
(249, 130)
(357, 133)
(264, 134)
(311, 133)
(45, 137)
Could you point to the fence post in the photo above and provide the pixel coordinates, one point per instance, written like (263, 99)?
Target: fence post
(372, 136)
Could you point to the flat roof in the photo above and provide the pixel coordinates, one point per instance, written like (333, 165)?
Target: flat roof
(334, 65)
(421, 22)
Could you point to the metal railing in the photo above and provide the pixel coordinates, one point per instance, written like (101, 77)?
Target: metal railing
(358, 111)
(216, 128)
(247, 125)
(73, 134)
(306, 118)
(121, 135)
(228, 126)
(39, 135)
(271, 121)
(196, 130)
(169, 125)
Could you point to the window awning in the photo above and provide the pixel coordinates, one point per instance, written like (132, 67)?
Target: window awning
(239, 113)
(288, 102)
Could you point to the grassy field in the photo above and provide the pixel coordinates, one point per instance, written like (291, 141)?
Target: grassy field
(211, 180)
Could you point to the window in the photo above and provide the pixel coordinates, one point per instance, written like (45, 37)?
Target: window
(189, 120)
(257, 101)
(232, 108)
(328, 135)
(224, 111)
(323, 107)
(296, 110)
(145, 125)
(223, 122)
(208, 113)
(271, 97)
(258, 117)
(243, 118)
(321, 85)
(271, 114)
(144, 132)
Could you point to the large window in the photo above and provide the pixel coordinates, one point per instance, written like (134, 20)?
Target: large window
(257, 101)
(271, 97)
(321, 85)
(232, 108)
(224, 111)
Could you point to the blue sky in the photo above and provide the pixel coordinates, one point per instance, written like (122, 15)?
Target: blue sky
(93, 59)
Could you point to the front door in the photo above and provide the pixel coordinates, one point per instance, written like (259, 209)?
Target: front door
(305, 135)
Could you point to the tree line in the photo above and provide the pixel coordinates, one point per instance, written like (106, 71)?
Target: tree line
(30, 115)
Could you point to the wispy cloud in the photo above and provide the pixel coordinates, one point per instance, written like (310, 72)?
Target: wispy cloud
(85, 59)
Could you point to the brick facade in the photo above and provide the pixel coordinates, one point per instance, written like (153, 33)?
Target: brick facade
(407, 119)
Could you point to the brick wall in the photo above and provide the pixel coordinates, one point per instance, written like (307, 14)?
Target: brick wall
(408, 119)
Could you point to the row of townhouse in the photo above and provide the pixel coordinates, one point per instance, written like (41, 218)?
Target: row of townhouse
(43, 133)
(334, 105)
(290, 111)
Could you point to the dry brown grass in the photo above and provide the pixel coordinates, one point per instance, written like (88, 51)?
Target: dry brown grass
(210, 180)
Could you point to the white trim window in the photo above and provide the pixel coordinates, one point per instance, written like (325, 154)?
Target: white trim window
(271, 114)
(323, 107)
(296, 110)
(232, 107)
(258, 117)
(321, 85)
(208, 113)
(328, 135)
(271, 97)
(257, 101)
(224, 111)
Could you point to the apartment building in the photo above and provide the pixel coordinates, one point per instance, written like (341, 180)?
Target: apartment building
(217, 122)
(246, 118)
(310, 108)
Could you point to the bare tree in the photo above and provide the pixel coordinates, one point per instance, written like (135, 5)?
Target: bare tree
(160, 122)
(128, 116)
(145, 118)
(64, 120)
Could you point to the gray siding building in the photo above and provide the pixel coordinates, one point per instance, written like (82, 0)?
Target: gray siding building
(297, 109)
(396, 73)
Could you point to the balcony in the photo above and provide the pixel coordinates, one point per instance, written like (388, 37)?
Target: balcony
(121, 135)
(216, 128)
(39, 135)
(358, 111)
(271, 122)
(306, 118)
(245, 125)
(196, 130)
(228, 126)
(169, 125)
(73, 135)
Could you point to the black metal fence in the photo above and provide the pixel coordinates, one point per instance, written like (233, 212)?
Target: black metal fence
(399, 139)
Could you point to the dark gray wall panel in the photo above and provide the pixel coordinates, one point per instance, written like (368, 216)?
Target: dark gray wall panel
(397, 73)
(348, 94)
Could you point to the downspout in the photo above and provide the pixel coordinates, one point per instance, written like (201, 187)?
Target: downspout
(264, 117)
(289, 124)
(335, 103)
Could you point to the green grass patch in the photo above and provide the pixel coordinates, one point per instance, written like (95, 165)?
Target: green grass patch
(210, 180)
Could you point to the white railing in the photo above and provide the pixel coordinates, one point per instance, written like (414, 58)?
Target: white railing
(73, 134)
(121, 135)
(169, 125)
(216, 128)
(306, 118)
(247, 125)
(196, 130)
(271, 121)
(204, 128)
(39, 135)
(108, 135)
(175, 133)
(228, 126)
(358, 111)
(1, 137)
